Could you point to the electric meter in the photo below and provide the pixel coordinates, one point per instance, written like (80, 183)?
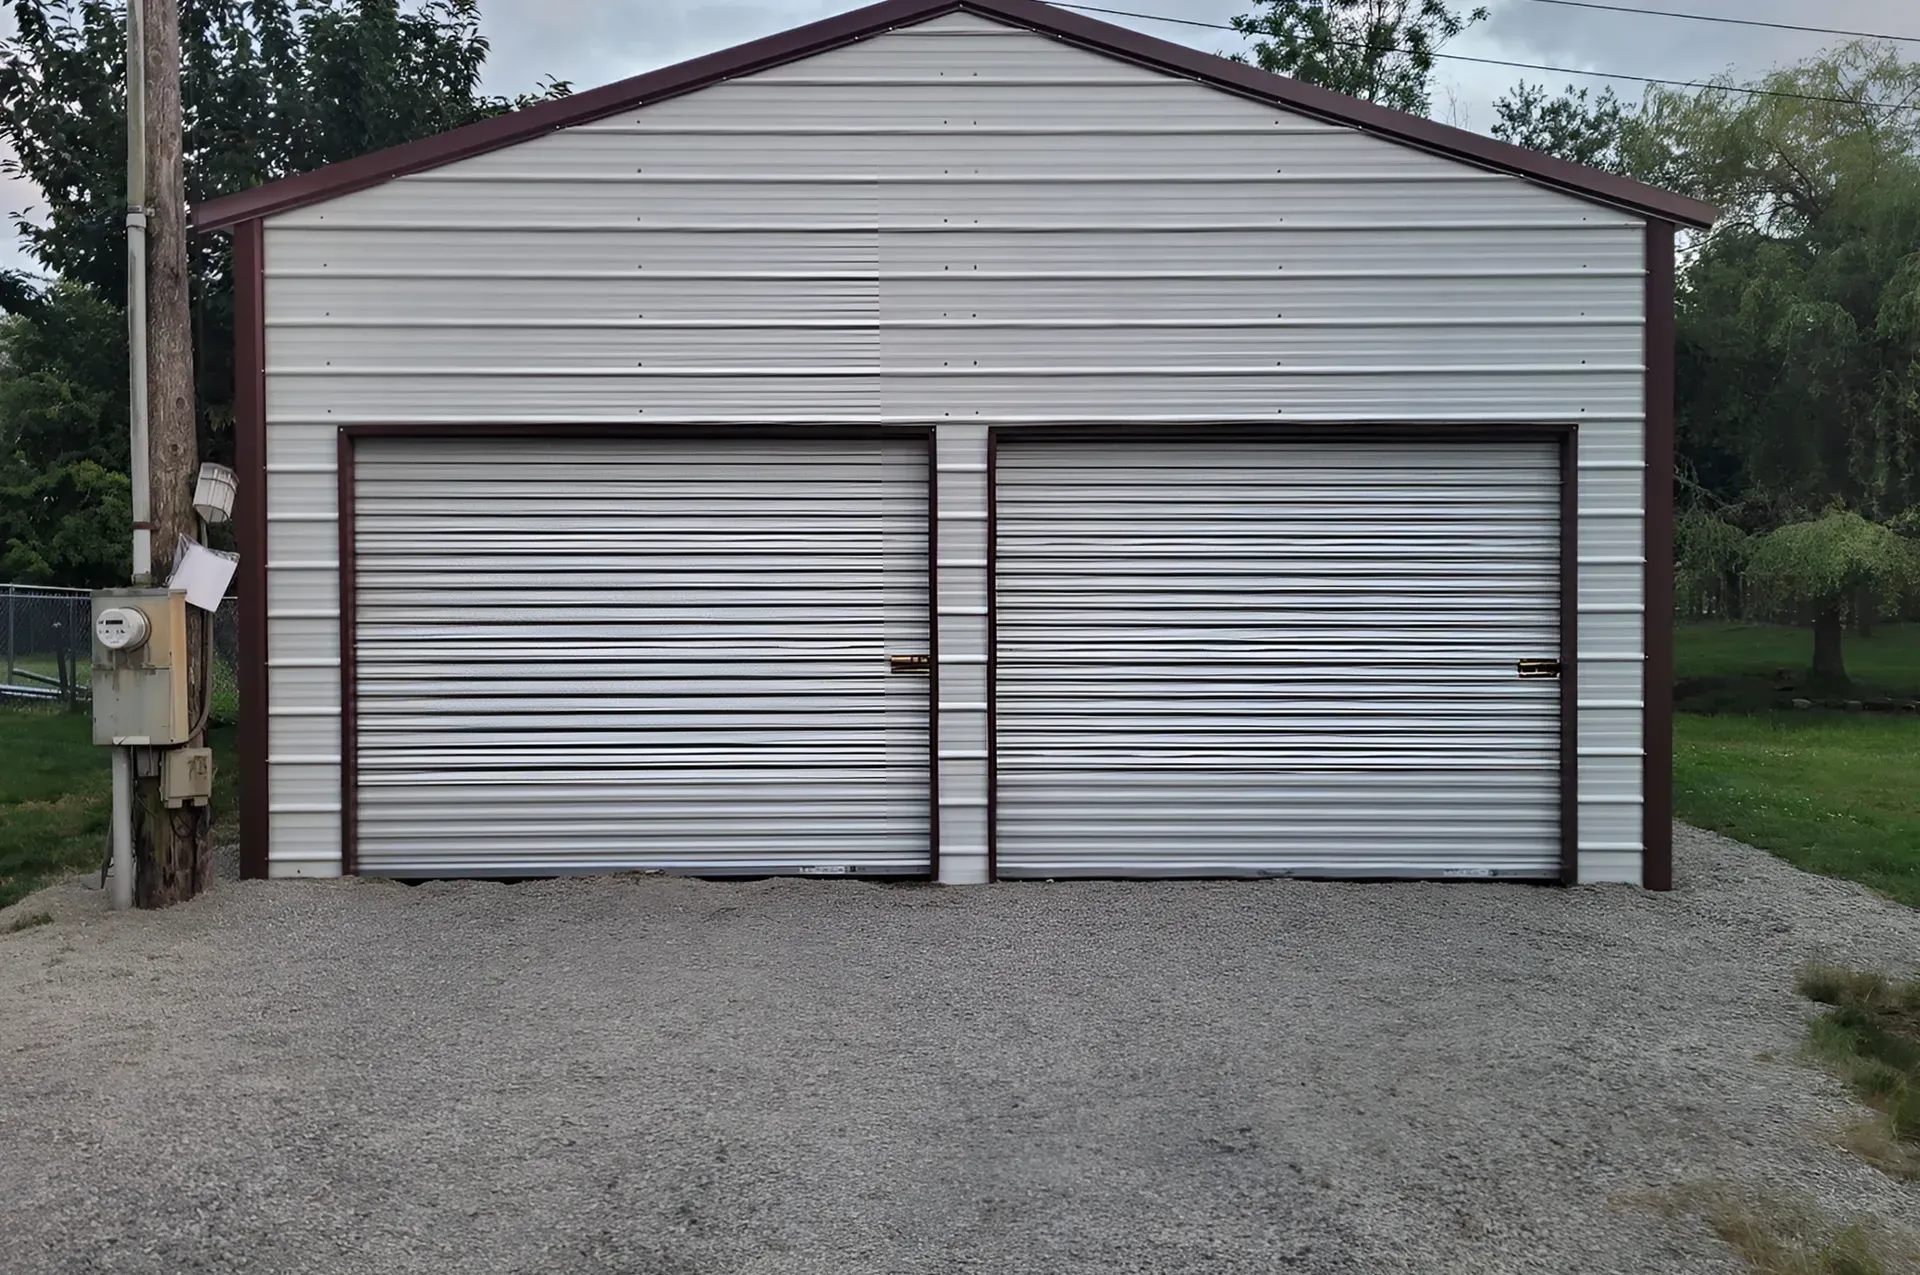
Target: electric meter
(122, 628)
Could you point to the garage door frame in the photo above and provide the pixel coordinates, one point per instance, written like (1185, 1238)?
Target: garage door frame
(349, 690)
(1563, 435)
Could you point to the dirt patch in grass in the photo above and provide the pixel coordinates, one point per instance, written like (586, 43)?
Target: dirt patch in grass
(1869, 1033)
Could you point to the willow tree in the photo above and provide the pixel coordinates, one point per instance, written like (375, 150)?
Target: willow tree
(1710, 555)
(1825, 565)
(1799, 314)
(1799, 319)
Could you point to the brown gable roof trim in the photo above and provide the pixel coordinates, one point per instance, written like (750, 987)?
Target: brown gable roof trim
(818, 37)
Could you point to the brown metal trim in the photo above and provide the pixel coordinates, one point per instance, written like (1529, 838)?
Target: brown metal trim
(818, 37)
(1564, 434)
(933, 653)
(1295, 432)
(349, 669)
(1656, 864)
(250, 528)
(349, 434)
(1570, 658)
(629, 429)
(993, 656)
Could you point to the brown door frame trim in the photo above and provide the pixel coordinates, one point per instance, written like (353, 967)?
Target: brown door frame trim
(349, 689)
(349, 671)
(993, 655)
(1564, 435)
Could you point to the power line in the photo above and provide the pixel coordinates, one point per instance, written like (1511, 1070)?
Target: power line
(1739, 22)
(1537, 66)
(1151, 17)
(1579, 4)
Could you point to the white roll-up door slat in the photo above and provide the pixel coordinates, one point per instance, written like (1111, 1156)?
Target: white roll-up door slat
(1271, 658)
(640, 653)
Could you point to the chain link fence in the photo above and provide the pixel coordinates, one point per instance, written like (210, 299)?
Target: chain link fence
(49, 649)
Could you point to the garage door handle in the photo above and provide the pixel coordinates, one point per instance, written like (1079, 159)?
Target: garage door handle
(1539, 668)
(911, 663)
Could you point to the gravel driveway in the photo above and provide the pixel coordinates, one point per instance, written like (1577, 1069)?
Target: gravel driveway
(650, 1075)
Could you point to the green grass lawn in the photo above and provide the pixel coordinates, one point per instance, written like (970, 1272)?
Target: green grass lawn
(55, 797)
(1721, 666)
(224, 711)
(1837, 793)
(1832, 792)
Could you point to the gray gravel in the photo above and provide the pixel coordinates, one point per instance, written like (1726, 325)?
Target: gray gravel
(649, 1075)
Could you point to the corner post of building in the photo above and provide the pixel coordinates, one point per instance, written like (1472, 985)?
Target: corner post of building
(1657, 775)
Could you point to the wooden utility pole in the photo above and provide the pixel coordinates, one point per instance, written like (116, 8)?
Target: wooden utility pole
(173, 854)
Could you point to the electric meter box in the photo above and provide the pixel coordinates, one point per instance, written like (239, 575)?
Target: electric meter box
(140, 667)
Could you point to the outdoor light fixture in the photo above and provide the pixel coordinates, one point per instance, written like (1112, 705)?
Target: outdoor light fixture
(213, 497)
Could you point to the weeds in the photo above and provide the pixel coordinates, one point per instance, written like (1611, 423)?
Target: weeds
(1777, 1238)
(29, 922)
(1869, 1034)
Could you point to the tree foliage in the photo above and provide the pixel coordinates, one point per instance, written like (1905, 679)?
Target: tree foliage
(269, 89)
(64, 500)
(1799, 316)
(1798, 320)
(1710, 554)
(1586, 128)
(1828, 562)
(1377, 50)
(1799, 313)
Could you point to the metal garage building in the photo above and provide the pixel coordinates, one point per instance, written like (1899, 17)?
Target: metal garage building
(957, 438)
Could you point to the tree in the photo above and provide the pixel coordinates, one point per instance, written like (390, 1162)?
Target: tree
(1798, 361)
(1800, 313)
(1377, 50)
(1709, 555)
(1800, 349)
(1578, 125)
(64, 503)
(270, 88)
(1824, 566)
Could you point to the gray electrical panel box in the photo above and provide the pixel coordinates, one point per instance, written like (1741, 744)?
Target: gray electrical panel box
(186, 776)
(140, 667)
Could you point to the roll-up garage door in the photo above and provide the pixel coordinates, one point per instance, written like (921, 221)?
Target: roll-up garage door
(592, 655)
(1267, 658)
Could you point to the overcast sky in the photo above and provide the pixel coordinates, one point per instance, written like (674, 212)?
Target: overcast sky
(591, 42)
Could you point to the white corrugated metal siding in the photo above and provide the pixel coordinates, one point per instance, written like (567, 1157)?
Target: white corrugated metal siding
(1277, 658)
(955, 223)
(583, 655)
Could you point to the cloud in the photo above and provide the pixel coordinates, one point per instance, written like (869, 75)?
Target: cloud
(1657, 46)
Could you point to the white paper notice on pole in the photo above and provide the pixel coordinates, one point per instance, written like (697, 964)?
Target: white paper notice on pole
(204, 573)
